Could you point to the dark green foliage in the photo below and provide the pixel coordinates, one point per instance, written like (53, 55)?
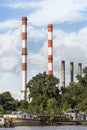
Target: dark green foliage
(43, 89)
(46, 97)
(7, 101)
(75, 94)
(22, 105)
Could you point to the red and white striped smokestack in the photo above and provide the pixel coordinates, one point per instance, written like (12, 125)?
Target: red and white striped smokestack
(50, 49)
(24, 58)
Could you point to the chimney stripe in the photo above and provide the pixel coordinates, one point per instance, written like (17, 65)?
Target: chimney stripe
(24, 29)
(50, 27)
(50, 66)
(50, 72)
(24, 66)
(50, 44)
(50, 51)
(24, 43)
(24, 51)
(23, 59)
(50, 35)
(50, 58)
(24, 35)
(24, 21)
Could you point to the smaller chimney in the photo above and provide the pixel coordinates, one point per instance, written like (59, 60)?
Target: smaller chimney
(80, 69)
(71, 71)
(63, 73)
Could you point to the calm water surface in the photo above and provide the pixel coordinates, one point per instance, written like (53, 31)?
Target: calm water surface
(48, 128)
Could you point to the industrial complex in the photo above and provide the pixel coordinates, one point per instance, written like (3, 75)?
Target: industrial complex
(50, 59)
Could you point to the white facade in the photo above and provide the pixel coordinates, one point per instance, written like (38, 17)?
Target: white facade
(19, 115)
(73, 113)
(2, 121)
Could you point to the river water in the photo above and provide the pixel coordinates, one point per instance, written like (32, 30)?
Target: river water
(48, 128)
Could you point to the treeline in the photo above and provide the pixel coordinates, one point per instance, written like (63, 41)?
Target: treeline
(47, 97)
(9, 104)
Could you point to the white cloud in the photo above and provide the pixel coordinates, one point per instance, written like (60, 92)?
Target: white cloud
(36, 34)
(38, 61)
(51, 11)
(10, 24)
(9, 53)
(79, 4)
(56, 12)
(21, 5)
(9, 64)
(71, 46)
(12, 83)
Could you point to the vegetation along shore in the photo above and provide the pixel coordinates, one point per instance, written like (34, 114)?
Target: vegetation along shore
(46, 97)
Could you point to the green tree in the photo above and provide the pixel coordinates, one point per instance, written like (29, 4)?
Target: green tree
(8, 102)
(1, 110)
(22, 105)
(75, 94)
(42, 88)
(52, 106)
(83, 80)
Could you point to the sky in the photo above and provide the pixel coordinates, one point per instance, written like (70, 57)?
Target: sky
(69, 19)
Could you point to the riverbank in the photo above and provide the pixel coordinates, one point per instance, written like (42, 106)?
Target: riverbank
(42, 121)
(20, 122)
(24, 122)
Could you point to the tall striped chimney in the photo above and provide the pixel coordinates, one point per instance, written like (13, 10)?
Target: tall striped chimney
(24, 58)
(71, 71)
(50, 49)
(80, 69)
(63, 73)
